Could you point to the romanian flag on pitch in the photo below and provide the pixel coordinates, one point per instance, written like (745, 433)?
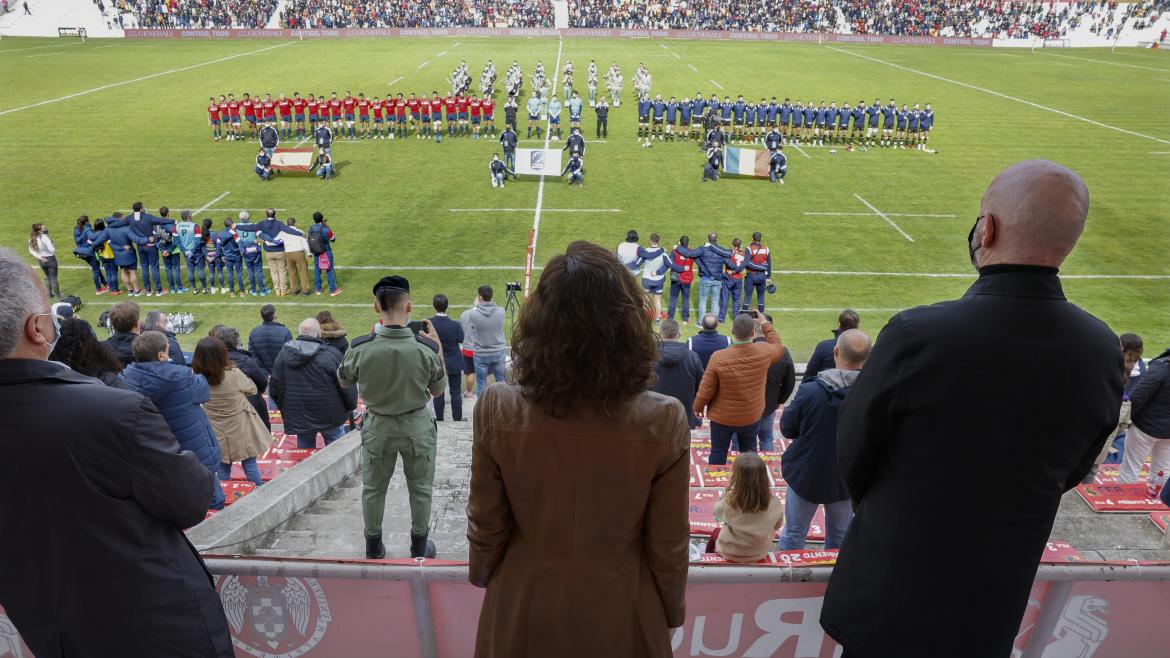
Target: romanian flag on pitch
(745, 162)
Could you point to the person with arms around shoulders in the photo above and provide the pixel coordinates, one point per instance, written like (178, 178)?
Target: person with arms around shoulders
(83, 235)
(911, 428)
(242, 435)
(809, 464)
(451, 334)
(681, 280)
(678, 369)
(485, 321)
(135, 584)
(732, 391)
(177, 392)
(397, 375)
(304, 385)
(748, 514)
(269, 228)
(622, 606)
(268, 337)
(296, 258)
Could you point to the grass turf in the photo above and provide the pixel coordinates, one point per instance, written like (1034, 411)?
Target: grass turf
(117, 121)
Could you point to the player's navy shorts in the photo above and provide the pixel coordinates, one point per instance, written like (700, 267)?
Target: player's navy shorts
(652, 288)
(475, 119)
(533, 117)
(401, 118)
(215, 122)
(414, 116)
(889, 125)
(643, 118)
(236, 120)
(489, 117)
(299, 117)
(468, 365)
(349, 116)
(575, 118)
(313, 118)
(252, 120)
(377, 119)
(913, 129)
(365, 118)
(463, 116)
(426, 118)
(873, 124)
(657, 121)
(554, 120)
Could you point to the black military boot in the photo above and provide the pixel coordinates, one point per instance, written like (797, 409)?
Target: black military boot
(420, 546)
(375, 549)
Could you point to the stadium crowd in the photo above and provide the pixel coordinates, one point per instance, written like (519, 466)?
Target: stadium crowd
(867, 437)
(197, 13)
(443, 13)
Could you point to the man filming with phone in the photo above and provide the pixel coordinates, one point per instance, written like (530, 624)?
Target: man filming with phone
(485, 322)
(397, 376)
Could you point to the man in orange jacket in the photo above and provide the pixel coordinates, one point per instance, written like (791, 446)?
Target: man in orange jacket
(732, 390)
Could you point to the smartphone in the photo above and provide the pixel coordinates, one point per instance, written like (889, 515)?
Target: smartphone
(417, 326)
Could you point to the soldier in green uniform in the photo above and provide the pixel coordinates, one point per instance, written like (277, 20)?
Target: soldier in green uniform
(397, 376)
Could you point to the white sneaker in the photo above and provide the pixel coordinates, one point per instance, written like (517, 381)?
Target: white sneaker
(211, 291)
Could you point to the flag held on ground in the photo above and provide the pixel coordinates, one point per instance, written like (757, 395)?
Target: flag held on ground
(745, 162)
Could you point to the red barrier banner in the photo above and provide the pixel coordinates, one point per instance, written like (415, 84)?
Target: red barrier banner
(1160, 519)
(293, 454)
(1119, 498)
(571, 33)
(233, 490)
(290, 617)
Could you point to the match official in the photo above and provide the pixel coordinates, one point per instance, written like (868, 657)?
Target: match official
(324, 139)
(269, 139)
(575, 144)
(509, 139)
(602, 110)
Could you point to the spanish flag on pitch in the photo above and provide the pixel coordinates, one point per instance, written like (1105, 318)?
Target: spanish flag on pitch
(745, 162)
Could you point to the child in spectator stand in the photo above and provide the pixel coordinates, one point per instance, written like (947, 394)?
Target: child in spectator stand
(749, 513)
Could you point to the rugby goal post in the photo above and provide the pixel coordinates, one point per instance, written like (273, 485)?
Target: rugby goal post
(72, 32)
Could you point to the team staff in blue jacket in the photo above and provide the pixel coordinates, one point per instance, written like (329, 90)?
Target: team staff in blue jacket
(98, 241)
(143, 224)
(177, 392)
(233, 259)
(273, 251)
(710, 258)
(122, 240)
(83, 239)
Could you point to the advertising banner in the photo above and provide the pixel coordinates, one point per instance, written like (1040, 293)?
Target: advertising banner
(538, 162)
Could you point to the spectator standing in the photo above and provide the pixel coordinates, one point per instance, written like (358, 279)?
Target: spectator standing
(822, 356)
(332, 332)
(748, 513)
(80, 349)
(910, 428)
(124, 321)
(250, 366)
(451, 336)
(528, 461)
(321, 240)
(242, 436)
(130, 492)
(1149, 431)
(485, 322)
(397, 375)
(177, 393)
(732, 390)
(1132, 348)
(296, 255)
(40, 245)
(160, 322)
(269, 228)
(83, 240)
(779, 386)
(266, 339)
(708, 341)
(304, 385)
(810, 462)
(680, 282)
(678, 369)
(710, 258)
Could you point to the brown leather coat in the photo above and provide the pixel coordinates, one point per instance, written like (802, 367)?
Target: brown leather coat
(578, 528)
(732, 390)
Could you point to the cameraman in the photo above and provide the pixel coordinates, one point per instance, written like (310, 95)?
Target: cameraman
(485, 323)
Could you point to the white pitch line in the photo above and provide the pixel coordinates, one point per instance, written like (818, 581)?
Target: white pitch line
(884, 216)
(664, 46)
(540, 188)
(441, 54)
(869, 214)
(103, 47)
(210, 203)
(693, 68)
(1159, 152)
(1101, 61)
(42, 55)
(56, 45)
(395, 80)
(801, 151)
(424, 63)
(1063, 64)
(675, 55)
(145, 77)
(531, 209)
(1002, 95)
(715, 83)
(303, 141)
(457, 44)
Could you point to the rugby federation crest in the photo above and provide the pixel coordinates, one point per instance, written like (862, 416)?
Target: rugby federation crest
(275, 617)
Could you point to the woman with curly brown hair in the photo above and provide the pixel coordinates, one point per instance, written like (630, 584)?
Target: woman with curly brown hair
(577, 517)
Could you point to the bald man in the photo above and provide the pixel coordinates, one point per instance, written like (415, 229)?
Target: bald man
(99, 565)
(305, 388)
(943, 550)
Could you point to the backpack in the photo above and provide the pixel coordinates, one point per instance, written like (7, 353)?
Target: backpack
(73, 301)
(316, 241)
(106, 252)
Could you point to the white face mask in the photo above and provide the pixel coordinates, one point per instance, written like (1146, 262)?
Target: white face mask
(56, 328)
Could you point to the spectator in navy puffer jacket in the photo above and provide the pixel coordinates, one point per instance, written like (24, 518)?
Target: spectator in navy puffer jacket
(822, 356)
(708, 341)
(266, 340)
(177, 392)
